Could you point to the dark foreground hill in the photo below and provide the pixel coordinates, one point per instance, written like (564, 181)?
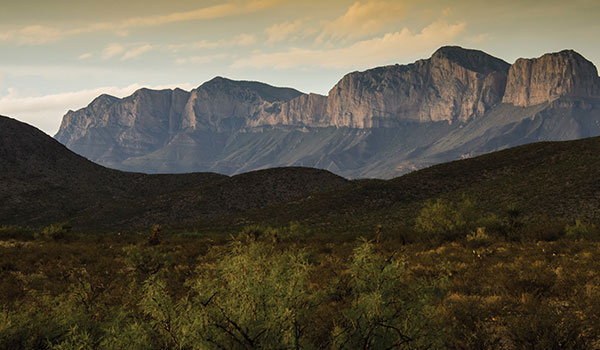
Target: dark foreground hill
(41, 182)
(546, 181)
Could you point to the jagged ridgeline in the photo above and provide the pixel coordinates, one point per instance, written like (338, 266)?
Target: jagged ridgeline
(379, 123)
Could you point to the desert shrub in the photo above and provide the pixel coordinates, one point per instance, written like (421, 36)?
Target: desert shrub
(54, 232)
(154, 238)
(255, 297)
(445, 220)
(479, 238)
(252, 233)
(471, 323)
(539, 325)
(386, 309)
(75, 339)
(582, 230)
(294, 232)
(543, 229)
(147, 260)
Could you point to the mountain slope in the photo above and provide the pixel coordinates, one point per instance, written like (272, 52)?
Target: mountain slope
(548, 180)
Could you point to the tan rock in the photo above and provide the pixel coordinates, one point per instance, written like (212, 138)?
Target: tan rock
(544, 79)
(455, 84)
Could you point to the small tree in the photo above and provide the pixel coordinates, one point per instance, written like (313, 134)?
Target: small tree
(387, 310)
(447, 221)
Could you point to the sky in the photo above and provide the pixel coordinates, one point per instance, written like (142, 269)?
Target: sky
(59, 55)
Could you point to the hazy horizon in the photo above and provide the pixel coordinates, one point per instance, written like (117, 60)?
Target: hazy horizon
(59, 56)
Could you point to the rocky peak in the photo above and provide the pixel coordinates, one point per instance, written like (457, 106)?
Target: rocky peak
(473, 60)
(455, 84)
(546, 78)
(264, 91)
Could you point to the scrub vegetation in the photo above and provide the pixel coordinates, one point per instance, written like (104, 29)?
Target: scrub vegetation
(457, 278)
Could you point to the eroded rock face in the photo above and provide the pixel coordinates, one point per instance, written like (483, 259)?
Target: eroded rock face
(304, 110)
(119, 128)
(455, 84)
(544, 79)
(222, 104)
(111, 130)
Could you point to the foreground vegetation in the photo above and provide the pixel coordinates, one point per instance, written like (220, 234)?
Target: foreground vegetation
(457, 279)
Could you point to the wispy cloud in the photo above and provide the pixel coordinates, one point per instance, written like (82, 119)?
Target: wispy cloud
(363, 54)
(39, 35)
(136, 51)
(285, 31)
(211, 12)
(112, 50)
(85, 56)
(239, 40)
(363, 20)
(45, 112)
(201, 59)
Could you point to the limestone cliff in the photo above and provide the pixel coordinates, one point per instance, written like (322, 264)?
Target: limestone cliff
(544, 79)
(455, 84)
(304, 110)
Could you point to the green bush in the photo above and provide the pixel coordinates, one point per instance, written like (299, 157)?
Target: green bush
(255, 297)
(447, 221)
(387, 310)
(54, 232)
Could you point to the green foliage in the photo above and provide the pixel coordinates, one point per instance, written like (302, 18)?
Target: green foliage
(447, 221)
(54, 232)
(483, 292)
(147, 260)
(479, 238)
(256, 297)
(387, 310)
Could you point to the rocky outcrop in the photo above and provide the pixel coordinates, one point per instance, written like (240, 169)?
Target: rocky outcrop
(221, 104)
(453, 85)
(544, 79)
(304, 110)
(112, 128)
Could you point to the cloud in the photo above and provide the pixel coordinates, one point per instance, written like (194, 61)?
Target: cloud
(33, 35)
(84, 56)
(363, 20)
(239, 40)
(112, 50)
(39, 35)
(211, 12)
(45, 112)
(284, 31)
(201, 59)
(136, 51)
(363, 54)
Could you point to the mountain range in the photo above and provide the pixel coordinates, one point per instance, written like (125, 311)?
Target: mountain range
(379, 123)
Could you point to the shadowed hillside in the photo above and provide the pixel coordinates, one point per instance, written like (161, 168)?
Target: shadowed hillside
(41, 181)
